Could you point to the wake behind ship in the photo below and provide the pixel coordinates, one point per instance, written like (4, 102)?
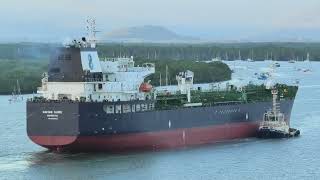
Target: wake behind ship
(91, 104)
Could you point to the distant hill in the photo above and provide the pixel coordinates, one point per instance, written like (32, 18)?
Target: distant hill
(147, 33)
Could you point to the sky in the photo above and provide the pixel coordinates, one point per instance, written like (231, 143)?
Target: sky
(44, 20)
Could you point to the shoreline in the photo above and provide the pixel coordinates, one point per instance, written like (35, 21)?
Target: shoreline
(22, 93)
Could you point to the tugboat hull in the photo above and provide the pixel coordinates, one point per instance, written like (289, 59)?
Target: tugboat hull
(269, 133)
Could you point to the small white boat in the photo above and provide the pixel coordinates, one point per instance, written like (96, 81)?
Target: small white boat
(216, 59)
(277, 64)
(291, 61)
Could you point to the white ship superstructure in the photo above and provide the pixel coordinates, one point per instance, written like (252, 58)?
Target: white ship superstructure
(121, 80)
(274, 120)
(94, 79)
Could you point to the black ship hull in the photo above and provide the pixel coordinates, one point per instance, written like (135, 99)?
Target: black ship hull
(85, 126)
(275, 134)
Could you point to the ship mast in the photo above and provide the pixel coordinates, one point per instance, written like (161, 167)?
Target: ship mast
(91, 32)
(270, 83)
(275, 104)
(252, 54)
(274, 92)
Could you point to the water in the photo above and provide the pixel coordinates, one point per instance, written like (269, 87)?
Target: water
(251, 158)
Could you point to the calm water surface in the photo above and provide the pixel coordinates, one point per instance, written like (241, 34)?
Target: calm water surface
(297, 158)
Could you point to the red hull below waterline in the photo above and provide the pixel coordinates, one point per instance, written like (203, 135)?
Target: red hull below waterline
(150, 140)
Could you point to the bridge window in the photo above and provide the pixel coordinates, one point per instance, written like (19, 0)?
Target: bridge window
(67, 57)
(133, 108)
(99, 86)
(64, 57)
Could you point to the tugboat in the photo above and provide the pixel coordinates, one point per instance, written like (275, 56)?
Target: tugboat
(274, 124)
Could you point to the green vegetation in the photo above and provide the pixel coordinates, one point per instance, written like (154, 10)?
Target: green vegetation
(206, 51)
(226, 51)
(28, 72)
(26, 51)
(27, 61)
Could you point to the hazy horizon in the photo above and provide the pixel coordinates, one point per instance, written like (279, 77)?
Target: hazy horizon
(215, 20)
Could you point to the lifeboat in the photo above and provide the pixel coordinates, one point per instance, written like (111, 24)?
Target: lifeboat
(145, 87)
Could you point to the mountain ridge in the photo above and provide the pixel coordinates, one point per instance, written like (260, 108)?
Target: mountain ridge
(146, 33)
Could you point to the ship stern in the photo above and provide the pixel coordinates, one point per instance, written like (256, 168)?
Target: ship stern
(53, 125)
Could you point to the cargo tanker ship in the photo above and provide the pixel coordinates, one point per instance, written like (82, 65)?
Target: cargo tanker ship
(90, 104)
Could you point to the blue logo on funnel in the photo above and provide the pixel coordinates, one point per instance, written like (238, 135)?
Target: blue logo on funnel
(90, 62)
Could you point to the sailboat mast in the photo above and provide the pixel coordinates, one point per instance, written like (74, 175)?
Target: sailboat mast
(18, 88)
(252, 54)
(166, 75)
(14, 91)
